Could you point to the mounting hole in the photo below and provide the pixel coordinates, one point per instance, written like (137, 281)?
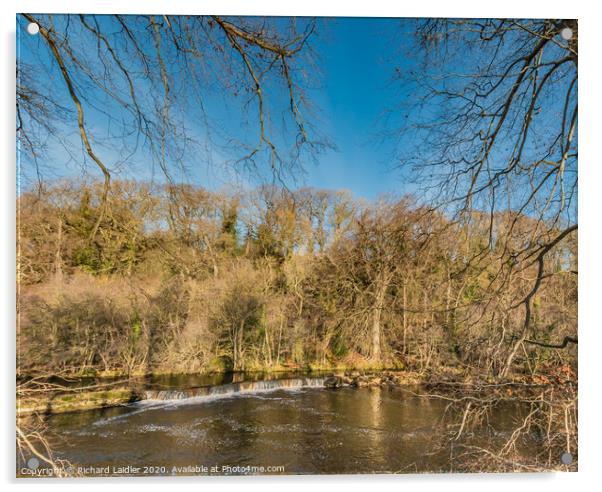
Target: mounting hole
(566, 458)
(33, 28)
(567, 33)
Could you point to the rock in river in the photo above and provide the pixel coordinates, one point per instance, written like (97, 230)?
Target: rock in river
(333, 382)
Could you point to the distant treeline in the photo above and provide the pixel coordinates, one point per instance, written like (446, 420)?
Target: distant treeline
(183, 279)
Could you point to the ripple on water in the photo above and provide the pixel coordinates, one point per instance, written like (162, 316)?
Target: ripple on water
(183, 432)
(308, 430)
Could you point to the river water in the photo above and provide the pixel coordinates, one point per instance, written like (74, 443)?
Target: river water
(290, 426)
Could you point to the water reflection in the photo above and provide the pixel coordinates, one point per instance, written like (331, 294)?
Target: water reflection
(306, 430)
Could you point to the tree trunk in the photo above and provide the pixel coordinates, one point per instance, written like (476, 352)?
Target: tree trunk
(376, 321)
(279, 340)
(405, 319)
(58, 260)
(376, 334)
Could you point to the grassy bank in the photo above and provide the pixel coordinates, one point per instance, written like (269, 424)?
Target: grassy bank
(52, 403)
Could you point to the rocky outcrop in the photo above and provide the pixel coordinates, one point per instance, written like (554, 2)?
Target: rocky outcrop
(356, 379)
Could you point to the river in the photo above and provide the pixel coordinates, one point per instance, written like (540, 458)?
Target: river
(287, 426)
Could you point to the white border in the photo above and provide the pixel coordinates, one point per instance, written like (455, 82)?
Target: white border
(590, 346)
(375, 8)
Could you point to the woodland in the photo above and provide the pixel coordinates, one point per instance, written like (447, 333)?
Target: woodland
(468, 277)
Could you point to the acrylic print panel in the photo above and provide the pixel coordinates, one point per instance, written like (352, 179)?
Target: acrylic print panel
(276, 245)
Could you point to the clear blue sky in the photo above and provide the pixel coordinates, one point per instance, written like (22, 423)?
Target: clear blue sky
(358, 68)
(357, 57)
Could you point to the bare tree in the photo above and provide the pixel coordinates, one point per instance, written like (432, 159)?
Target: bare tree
(499, 137)
(147, 80)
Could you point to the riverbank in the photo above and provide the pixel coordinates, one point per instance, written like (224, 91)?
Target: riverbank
(119, 392)
(64, 401)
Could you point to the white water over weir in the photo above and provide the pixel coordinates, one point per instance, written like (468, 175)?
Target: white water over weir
(233, 389)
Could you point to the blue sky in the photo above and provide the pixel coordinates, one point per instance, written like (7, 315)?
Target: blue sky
(353, 92)
(363, 71)
(357, 93)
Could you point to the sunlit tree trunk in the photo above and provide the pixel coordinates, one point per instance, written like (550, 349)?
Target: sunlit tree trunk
(377, 321)
(405, 318)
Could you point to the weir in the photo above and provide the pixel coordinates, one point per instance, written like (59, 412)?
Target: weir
(232, 389)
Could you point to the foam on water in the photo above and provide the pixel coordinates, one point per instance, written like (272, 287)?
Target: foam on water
(229, 390)
(161, 399)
